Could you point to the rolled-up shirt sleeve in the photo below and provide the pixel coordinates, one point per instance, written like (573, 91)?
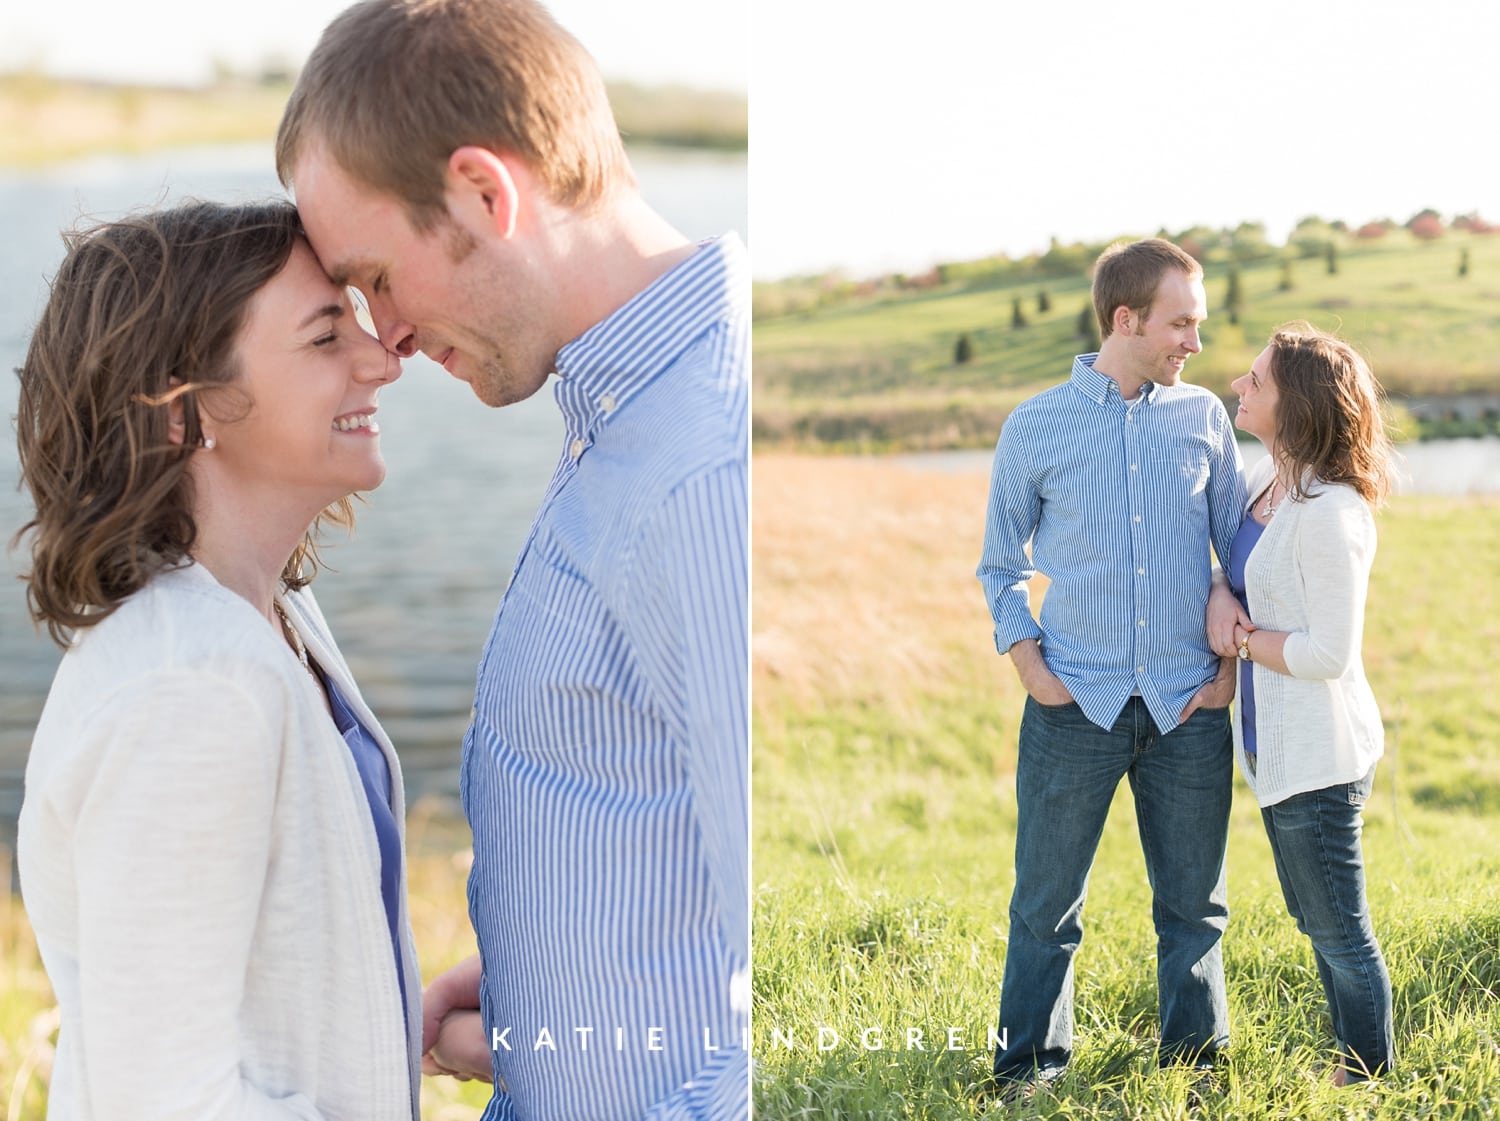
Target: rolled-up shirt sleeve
(1226, 489)
(1005, 566)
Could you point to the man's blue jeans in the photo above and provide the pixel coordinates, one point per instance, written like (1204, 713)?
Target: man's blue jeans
(1315, 840)
(1066, 776)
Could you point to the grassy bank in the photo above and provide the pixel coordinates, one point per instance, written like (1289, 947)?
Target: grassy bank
(885, 729)
(878, 370)
(44, 120)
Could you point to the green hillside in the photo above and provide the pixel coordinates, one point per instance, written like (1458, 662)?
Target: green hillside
(873, 365)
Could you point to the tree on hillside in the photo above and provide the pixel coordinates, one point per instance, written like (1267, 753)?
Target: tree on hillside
(1463, 263)
(1017, 316)
(1043, 302)
(963, 352)
(1311, 236)
(1287, 283)
(1247, 242)
(1426, 226)
(1234, 297)
(1333, 259)
(1088, 328)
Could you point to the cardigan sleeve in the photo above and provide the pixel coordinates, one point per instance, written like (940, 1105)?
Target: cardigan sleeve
(1335, 549)
(173, 842)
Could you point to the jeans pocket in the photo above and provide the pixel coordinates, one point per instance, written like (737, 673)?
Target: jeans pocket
(1359, 790)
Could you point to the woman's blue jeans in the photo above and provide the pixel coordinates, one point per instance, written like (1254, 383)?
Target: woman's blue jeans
(1066, 776)
(1315, 840)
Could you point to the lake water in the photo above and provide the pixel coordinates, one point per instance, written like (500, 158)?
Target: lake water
(413, 594)
(1449, 467)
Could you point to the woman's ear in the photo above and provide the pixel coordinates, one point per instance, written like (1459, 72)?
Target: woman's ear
(176, 415)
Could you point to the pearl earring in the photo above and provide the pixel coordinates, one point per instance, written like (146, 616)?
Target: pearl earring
(208, 443)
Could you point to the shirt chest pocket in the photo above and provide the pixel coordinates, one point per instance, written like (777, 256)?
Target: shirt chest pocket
(559, 665)
(1178, 481)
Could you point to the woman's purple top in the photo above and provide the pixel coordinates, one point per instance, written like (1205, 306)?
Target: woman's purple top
(375, 777)
(1239, 552)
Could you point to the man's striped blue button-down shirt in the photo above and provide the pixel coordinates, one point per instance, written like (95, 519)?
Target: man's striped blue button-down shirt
(605, 774)
(1119, 502)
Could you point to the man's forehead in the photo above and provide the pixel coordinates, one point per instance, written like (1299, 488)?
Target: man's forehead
(1184, 296)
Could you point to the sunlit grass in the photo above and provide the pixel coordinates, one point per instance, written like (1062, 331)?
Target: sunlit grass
(884, 821)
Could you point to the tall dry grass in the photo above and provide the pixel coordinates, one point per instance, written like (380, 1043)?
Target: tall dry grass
(863, 585)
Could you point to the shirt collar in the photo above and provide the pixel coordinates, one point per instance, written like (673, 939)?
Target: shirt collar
(1101, 388)
(616, 358)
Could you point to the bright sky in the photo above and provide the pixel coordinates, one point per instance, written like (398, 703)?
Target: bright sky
(694, 42)
(892, 136)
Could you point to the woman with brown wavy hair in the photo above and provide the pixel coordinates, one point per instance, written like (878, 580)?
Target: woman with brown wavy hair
(1307, 730)
(210, 844)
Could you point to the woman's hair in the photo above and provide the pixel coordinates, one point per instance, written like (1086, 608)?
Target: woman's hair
(142, 312)
(1329, 422)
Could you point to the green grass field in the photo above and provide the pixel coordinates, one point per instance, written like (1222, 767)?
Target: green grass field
(878, 370)
(884, 815)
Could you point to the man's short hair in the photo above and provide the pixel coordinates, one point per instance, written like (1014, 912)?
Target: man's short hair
(1127, 274)
(395, 86)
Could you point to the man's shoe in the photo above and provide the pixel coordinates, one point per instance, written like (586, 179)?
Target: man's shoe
(996, 1093)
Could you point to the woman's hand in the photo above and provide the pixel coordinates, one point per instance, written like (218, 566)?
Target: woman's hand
(1223, 616)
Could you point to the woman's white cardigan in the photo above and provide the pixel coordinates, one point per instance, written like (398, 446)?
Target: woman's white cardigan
(199, 864)
(1309, 575)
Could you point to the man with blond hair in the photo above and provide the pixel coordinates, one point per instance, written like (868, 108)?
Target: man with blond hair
(457, 161)
(1118, 480)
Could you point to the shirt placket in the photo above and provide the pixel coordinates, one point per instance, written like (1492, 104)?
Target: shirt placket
(1136, 497)
(578, 438)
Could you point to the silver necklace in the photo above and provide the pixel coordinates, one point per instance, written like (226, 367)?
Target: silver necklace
(1268, 508)
(295, 638)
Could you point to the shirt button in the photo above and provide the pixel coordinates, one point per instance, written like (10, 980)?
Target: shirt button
(1140, 622)
(1132, 466)
(577, 449)
(607, 402)
(473, 712)
(1137, 517)
(1140, 572)
(1140, 669)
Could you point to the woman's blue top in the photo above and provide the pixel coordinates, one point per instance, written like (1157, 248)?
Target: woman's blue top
(375, 776)
(1239, 552)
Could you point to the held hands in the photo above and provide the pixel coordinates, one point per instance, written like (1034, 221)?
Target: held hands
(453, 1039)
(1223, 617)
(461, 1048)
